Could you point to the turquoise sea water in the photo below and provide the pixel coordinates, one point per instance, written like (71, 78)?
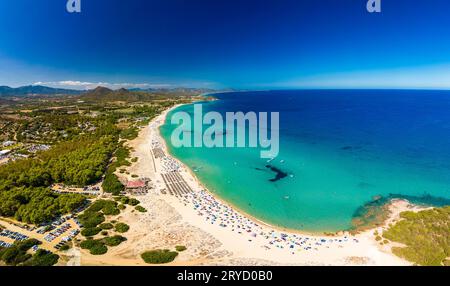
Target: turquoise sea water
(340, 149)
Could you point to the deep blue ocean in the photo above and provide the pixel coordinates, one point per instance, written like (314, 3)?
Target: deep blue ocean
(340, 149)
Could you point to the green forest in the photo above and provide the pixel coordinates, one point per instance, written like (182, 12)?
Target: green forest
(78, 162)
(37, 205)
(24, 184)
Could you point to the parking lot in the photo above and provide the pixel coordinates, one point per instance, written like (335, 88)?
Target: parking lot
(51, 240)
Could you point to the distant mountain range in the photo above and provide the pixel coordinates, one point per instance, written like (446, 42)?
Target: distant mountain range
(36, 90)
(99, 93)
(180, 90)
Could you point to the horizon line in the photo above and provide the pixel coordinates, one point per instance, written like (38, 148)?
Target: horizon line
(235, 89)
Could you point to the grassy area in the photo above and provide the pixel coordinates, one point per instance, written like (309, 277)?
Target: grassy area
(425, 234)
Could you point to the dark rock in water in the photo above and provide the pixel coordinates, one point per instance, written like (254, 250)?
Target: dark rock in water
(424, 200)
(371, 214)
(375, 212)
(351, 148)
(279, 173)
(346, 148)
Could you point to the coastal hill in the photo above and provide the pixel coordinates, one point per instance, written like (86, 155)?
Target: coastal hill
(102, 94)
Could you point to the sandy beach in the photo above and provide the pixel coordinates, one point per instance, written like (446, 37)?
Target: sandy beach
(182, 212)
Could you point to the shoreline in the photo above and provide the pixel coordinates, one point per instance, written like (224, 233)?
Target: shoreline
(318, 235)
(238, 209)
(220, 199)
(217, 233)
(243, 212)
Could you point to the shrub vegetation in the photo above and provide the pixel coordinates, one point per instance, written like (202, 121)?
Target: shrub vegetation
(95, 246)
(426, 235)
(111, 184)
(141, 209)
(99, 249)
(180, 248)
(114, 240)
(65, 247)
(42, 258)
(121, 227)
(133, 202)
(106, 225)
(17, 255)
(91, 219)
(90, 231)
(159, 256)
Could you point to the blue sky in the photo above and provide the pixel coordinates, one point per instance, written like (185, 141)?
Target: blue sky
(252, 44)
